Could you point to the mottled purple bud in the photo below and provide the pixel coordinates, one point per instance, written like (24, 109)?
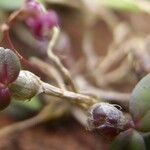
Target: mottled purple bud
(9, 66)
(35, 26)
(42, 22)
(106, 119)
(49, 19)
(5, 97)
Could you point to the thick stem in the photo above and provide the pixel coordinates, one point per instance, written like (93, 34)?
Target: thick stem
(79, 99)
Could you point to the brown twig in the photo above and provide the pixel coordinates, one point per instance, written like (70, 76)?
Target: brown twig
(116, 76)
(49, 71)
(84, 101)
(141, 54)
(49, 112)
(91, 8)
(99, 93)
(56, 61)
(112, 59)
(88, 48)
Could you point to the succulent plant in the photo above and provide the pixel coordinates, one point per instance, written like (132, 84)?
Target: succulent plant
(5, 97)
(9, 71)
(9, 66)
(128, 140)
(140, 104)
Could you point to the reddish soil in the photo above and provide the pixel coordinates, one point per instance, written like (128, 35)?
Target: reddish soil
(61, 135)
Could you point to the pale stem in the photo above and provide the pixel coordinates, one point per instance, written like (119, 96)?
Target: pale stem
(56, 61)
(84, 101)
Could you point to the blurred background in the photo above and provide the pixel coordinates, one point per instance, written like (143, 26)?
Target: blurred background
(105, 44)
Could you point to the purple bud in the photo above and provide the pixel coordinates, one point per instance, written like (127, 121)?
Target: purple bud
(49, 19)
(106, 119)
(5, 97)
(9, 66)
(42, 22)
(35, 26)
(33, 5)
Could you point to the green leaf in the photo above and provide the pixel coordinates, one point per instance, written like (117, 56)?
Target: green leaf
(11, 4)
(34, 104)
(23, 110)
(139, 104)
(128, 140)
(121, 5)
(147, 141)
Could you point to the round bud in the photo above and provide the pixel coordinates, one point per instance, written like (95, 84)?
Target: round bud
(139, 105)
(42, 24)
(105, 119)
(26, 86)
(9, 66)
(5, 97)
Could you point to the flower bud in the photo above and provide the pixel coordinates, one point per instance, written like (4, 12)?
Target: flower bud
(139, 105)
(26, 86)
(9, 66)
(33, 5)
(5, 97)
(128, 140)
(40, 24)
(106, 119)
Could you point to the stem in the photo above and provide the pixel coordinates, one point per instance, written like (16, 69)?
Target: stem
(118, 75)
(51, 72)
(22, 59)
(49, 112)
(88, 48)
(112, 59)
(101, 94)
(56, 61)
(80, 116)
(84, 101)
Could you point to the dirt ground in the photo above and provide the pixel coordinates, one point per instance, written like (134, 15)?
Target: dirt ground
(64, 135)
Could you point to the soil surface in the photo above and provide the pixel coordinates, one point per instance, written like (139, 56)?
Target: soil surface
(60, 135)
